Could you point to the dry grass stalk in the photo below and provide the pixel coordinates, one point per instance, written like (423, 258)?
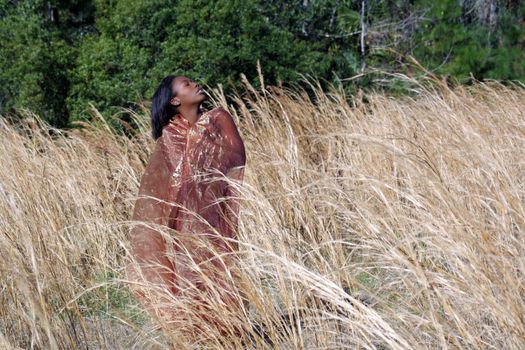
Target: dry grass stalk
(394, 224)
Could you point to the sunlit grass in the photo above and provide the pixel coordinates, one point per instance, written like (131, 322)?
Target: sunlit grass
(394, 224)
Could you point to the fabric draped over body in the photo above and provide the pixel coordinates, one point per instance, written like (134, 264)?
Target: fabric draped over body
(190, 185)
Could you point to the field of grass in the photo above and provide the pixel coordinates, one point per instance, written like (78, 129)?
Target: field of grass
(391, 224)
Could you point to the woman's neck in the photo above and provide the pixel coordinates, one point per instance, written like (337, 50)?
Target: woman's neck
(191, 113)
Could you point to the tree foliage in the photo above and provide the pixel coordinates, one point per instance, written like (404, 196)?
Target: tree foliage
(58, 57)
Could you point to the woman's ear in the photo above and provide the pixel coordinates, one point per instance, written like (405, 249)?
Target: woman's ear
(175, 101)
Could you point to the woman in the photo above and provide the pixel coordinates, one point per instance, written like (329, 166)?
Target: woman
(189, 185)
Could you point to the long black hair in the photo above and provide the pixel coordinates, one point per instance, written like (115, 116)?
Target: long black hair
(161, 108)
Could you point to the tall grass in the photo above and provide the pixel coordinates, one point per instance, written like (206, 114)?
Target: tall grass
(391, 224)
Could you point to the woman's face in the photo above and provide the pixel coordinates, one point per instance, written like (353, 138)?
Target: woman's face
(187, 92)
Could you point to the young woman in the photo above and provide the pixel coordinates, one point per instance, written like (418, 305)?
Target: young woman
(189, 185)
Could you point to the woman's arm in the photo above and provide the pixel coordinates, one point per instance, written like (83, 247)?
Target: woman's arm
(231, 204)
(152, 208)
(229, 136)
(230, 139)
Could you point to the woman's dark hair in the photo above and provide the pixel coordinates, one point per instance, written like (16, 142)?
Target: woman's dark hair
(161, 108)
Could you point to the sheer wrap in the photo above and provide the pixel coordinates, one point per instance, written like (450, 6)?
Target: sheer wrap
(190, 185)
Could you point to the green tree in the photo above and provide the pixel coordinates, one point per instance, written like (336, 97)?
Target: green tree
(138, 42)
(36, 54)
(57, 57)
(450, 42)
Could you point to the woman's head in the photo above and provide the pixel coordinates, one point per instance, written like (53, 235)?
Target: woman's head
(173, 92)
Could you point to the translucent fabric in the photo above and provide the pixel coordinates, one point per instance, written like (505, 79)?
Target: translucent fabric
(190, 186)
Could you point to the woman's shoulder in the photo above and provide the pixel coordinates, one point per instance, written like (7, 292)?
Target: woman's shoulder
(208, 116)
(222, 118)
(219, 112)
(219, 109)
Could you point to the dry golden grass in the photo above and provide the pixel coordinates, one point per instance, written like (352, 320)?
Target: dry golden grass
(395, 224)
